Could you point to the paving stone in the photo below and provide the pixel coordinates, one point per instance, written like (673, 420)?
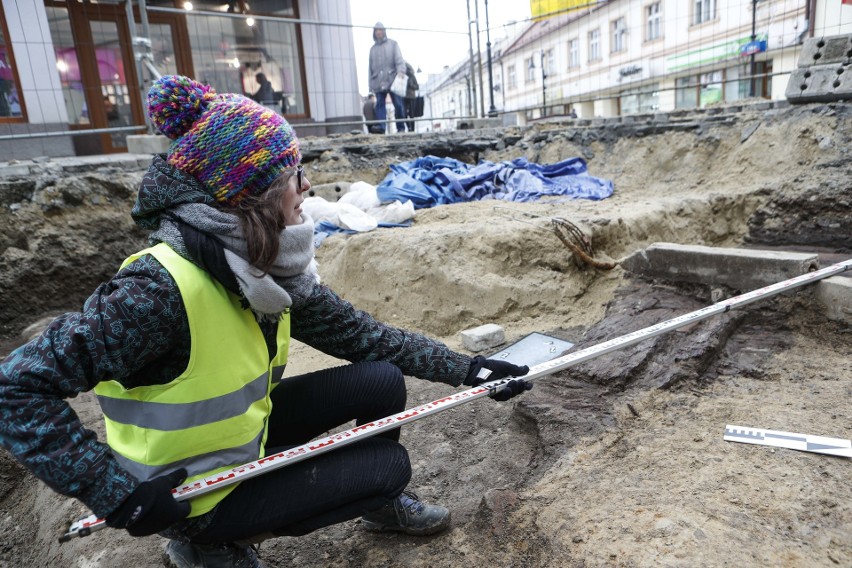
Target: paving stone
(835, 293)
(483, 337)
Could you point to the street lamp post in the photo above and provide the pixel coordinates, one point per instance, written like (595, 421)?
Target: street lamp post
(543, 87)
(753, 39)
(543, 82)
(492, 111)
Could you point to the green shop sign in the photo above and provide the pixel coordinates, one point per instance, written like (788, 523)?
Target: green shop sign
(719, 52)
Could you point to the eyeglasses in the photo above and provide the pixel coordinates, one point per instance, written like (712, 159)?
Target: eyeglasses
(300, 176)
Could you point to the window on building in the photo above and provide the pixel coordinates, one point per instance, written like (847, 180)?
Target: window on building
(652, 13)
(549, 62)
(619, 35)
(11, 101)
(594, 45)
(705, 10)
(529, 63)
(573, 53)
(512, 76)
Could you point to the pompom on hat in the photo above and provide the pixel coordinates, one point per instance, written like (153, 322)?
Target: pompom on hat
(231, 144)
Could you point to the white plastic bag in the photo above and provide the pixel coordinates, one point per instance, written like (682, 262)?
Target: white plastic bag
(362, 195)
(400, 85)
(393, 212)
(343, 215)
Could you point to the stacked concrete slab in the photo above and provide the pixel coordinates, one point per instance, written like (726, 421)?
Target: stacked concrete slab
(824, 73)
(739, 269)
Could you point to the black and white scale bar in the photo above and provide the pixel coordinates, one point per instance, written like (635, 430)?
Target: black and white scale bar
(791, 440)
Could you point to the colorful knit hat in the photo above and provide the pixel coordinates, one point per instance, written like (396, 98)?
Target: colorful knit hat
(232, 145)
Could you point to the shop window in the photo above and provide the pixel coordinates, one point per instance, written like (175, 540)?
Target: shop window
(640, 100)
(11, 99)
(272, 7)
(283, 8)
(741, 84)
(686, 92)
(228, 54)
(68, 66)
(711, 88)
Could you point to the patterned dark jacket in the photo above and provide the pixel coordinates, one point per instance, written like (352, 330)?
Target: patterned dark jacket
(134, 329)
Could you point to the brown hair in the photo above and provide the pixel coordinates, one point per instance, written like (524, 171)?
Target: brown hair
(262, 219)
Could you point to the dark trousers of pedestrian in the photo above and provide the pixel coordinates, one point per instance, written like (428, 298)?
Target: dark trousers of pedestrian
(331, 488)
(398, 109)
(409, 112)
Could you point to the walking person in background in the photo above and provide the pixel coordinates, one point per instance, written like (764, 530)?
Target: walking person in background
(386, 63)
(410, 95)
(369, 111)
(192, 335)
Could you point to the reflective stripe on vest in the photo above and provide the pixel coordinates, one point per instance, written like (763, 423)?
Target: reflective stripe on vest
(213, 416)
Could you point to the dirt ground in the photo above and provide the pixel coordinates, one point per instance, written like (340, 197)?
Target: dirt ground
(617, 462)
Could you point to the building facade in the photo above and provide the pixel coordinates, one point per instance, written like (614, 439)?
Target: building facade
(69, 66)
(622, 57)
(637, 56)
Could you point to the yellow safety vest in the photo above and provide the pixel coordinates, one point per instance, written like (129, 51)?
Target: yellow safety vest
(214, 415)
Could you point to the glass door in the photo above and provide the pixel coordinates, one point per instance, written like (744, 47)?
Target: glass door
(97, 67)
(113, 108)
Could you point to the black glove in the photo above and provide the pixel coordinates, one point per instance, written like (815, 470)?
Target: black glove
(151, 507)
(479, 373)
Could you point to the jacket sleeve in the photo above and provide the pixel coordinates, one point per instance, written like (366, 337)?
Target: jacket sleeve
(398, 61)
(126, 323)
(332, 325)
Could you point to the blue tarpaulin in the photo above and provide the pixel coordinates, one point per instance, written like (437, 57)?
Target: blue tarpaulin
(430, 181)
(325, 229)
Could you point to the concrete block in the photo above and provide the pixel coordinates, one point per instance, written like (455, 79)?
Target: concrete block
(477, 123)
(835, 293)
(825, 50)
(330, 191)
(147, 144)
(16, 170)
(824, 83)
(739, 269)
(483, 337)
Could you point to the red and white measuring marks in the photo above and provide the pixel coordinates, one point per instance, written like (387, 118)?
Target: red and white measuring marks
(86, 525)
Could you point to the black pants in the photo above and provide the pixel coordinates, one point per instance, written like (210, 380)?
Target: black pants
(331, 488)
(409, 112)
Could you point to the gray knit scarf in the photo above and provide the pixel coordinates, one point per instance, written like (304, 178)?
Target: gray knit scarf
(268, 295)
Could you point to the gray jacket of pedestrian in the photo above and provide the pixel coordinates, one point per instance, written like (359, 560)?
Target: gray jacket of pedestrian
(385, 62)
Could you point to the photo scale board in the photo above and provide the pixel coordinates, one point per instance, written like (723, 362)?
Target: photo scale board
(533, 349)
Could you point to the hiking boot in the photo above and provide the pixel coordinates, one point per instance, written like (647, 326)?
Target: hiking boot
(226, 555)
(409, 515)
